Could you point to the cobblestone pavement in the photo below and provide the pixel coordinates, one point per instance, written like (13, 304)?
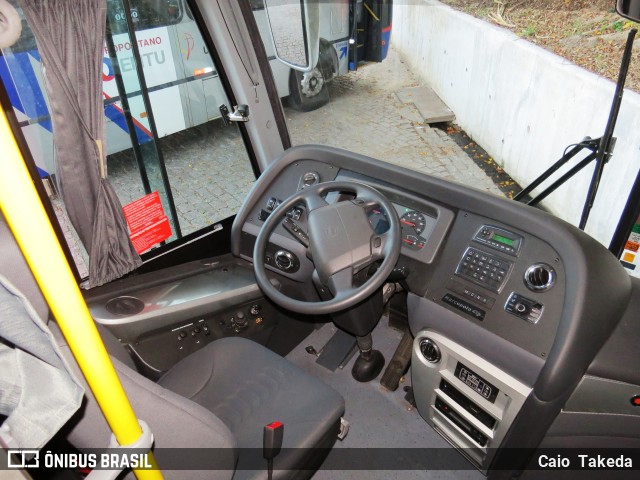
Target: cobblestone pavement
(364, 115)
(287, 30)
(209, 170)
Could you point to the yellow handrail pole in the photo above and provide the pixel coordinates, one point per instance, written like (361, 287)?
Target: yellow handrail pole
(34, 234)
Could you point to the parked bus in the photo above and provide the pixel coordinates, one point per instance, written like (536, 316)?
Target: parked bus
(181, 80)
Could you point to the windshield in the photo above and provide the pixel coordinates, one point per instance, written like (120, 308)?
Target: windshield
(475, 93)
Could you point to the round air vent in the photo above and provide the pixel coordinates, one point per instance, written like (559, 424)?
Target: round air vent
(124, 306)
(539, 277)
(430, 350)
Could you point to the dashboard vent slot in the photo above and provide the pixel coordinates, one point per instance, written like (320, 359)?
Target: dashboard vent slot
(539, 277)
(124, 306)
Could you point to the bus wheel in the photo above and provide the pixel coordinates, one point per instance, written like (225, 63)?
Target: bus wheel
(308, 90)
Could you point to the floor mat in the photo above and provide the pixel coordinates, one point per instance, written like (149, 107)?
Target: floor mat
(384, 428)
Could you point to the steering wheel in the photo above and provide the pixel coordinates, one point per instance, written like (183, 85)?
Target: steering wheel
(342, 242)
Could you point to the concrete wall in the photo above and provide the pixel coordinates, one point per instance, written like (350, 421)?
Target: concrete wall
(521, 103)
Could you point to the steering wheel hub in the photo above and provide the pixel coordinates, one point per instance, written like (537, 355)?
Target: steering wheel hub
(341, 238)
(341, 243)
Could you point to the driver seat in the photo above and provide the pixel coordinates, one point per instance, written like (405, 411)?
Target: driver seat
(220, 397)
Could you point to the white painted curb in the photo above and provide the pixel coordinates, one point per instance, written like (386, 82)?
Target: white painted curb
(522, 103)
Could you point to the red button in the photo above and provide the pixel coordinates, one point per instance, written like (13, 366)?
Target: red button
(635, 401)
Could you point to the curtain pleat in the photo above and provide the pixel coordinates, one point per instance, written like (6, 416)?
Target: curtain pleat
(70, 38)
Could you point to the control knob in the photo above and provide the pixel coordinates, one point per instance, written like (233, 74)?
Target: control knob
(284, 260)
(521, 308)
(309, 179)
(430, 350)
(241, 320)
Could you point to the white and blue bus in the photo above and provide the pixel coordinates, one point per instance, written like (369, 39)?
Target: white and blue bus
(181, 80)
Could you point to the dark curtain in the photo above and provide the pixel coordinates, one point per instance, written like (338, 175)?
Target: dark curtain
(70, 37)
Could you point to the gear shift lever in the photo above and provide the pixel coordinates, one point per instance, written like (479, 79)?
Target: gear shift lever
(369, 363)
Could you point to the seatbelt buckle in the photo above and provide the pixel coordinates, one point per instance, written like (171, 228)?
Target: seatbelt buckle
(272, 439)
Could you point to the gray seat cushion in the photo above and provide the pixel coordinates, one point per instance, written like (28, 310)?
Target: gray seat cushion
(241, 385)
(176, 422)
(248, 387)
(14, 267)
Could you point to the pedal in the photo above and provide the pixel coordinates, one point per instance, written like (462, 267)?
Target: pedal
(337, 351)
(398, 364)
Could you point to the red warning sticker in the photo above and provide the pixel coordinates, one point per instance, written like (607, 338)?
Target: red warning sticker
(632, 246)
(148, 225)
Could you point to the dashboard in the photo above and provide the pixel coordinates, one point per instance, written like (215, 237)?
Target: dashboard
(507, 280)
(506, 303)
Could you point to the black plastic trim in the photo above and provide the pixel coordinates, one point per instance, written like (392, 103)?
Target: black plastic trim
(618, 358)
(597, 286)
(267, 75)
(226, 85)
(204, 243)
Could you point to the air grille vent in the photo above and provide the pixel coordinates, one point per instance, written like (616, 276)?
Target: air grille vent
(430, 350)
(124, 306)
(539, 277)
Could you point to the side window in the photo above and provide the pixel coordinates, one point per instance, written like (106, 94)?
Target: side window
(164, 131)
(144, 14)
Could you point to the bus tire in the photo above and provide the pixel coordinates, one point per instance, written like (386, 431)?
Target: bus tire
(328, 61)
(308, 91)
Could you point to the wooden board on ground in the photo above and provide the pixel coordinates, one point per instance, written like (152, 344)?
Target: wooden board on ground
(431, 107)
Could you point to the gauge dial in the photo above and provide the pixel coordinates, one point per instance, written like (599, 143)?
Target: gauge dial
(413, 220)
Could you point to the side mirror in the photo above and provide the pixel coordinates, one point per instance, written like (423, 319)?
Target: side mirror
(629, 9)
(294, 27)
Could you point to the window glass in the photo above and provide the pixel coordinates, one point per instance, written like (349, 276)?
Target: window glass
(144, 14)
(399, 81)
(359, 96)
(22, 77)
(165, 135)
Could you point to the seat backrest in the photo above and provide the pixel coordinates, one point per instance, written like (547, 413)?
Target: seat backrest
(14, 267)
(175, 421)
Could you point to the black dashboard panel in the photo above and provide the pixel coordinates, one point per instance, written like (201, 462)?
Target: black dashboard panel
(489, 295)
(424, 223)
(537, 324)
(492, 296)
(264, 201)
(583, 307)
(523, 299)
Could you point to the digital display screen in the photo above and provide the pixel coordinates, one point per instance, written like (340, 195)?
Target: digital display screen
(476, 382)
(501, 239)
